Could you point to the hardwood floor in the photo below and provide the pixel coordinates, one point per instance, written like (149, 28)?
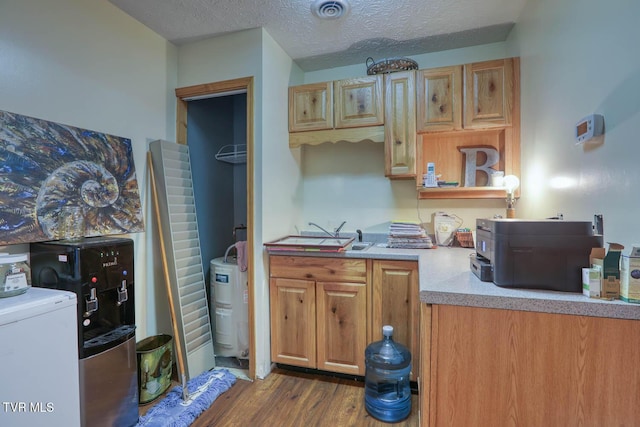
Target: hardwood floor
(287, 398)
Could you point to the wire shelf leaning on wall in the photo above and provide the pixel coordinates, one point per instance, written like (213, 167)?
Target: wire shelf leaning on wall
(234, 153)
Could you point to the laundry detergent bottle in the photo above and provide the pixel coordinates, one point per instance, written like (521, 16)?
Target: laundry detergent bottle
(387, 390)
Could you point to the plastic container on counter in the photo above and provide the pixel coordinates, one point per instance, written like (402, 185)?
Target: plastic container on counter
(15, 274)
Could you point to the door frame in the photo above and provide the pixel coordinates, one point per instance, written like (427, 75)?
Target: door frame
(208, 90)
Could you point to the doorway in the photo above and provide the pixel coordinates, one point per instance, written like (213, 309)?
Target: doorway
(216, 121)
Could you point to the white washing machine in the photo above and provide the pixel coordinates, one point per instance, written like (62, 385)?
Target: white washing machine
(229, 308)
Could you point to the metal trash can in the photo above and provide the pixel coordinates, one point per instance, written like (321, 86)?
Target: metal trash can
(154, 366)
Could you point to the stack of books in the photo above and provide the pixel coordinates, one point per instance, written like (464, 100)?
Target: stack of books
(408, 235)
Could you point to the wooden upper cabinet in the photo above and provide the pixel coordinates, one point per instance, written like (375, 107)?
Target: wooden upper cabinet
(342, 110)
(439, 92)
(400, 125)
(489, 94)
(358, 102)
(490, 119)
(311, 107)
(420, 116)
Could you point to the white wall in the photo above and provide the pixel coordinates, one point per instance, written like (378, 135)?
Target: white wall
(346, 182)
(276, 184)
(221, 58)
(89, 65)
(279, 179)
(580, 57)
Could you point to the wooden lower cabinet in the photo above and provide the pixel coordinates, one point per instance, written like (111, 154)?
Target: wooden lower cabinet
(395, 302)
(341, 326)
(324, 311)
(319, 312)
(490, 367)
(293, 329)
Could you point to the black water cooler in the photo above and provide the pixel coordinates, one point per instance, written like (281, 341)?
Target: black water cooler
(100, 271)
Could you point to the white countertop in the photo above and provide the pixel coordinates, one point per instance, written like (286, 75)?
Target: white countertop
(446, 278)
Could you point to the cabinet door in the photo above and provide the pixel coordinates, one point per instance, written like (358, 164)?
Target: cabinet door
(488, 94)
(395, 302)
(311, 107)
(493, 367)
(341, 326)
(400, 125)
(293, 321)
(439, 99)
(358, 102)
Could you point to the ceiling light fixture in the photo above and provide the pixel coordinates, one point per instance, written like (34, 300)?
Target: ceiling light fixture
(325, 9)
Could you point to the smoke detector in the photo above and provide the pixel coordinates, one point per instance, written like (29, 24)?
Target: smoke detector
(325, 9)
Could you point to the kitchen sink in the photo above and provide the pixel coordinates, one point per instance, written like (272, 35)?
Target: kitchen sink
(361, 246)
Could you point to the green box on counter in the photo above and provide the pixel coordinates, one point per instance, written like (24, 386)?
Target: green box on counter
(591, 282)
(630, 276)
(610, 266)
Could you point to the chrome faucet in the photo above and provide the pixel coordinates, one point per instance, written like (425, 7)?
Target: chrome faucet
(316, 225)
(336, 232)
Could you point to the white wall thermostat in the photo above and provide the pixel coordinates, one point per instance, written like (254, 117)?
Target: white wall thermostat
(589, 127)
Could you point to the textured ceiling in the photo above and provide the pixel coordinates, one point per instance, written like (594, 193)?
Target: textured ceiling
(371, 28)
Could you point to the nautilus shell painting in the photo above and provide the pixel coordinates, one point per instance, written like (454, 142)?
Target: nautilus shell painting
(50, 172)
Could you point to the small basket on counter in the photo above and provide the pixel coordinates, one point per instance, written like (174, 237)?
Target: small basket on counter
(464, 239)
(390, 65)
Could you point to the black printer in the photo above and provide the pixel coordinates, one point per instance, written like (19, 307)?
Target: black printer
(534, 254)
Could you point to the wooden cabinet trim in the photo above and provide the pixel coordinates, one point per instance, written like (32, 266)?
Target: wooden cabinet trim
(369, 133)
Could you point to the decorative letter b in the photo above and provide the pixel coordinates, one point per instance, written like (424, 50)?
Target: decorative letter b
(471, 167)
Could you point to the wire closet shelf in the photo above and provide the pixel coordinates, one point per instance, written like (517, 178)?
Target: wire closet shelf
(233, 153)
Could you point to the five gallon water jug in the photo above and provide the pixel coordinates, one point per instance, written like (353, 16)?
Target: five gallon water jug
(387, 393)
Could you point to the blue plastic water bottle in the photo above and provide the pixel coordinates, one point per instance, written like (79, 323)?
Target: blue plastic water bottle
(387, 393)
